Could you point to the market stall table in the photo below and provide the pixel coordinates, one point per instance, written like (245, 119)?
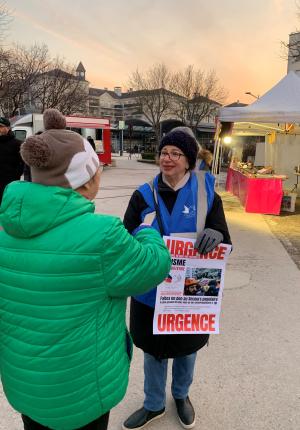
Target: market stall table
(257, 195)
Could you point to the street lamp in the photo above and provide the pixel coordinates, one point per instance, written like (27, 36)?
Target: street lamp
(253, 95)
(227, 140)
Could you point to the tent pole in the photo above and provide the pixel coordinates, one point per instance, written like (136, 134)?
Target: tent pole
(216, 145)
(219, 164)
(215, 156)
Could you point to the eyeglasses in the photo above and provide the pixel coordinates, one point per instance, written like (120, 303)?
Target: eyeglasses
(173, 156)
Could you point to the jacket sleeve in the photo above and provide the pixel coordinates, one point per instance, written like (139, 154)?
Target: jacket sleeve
(134, 265)
(216, 219)
(132, 217)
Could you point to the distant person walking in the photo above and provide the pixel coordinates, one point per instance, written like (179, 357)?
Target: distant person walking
(11, 164)
(65, 275)
(92, 142)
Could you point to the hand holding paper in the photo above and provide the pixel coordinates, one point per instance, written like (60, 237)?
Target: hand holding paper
(208, 240)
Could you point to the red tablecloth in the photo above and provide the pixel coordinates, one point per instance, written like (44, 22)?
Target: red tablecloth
(257, 195)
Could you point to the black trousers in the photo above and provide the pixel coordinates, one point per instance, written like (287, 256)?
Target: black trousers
(2, 186)
(100, 423)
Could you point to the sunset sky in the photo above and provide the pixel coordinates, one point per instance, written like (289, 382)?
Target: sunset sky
(239, 39)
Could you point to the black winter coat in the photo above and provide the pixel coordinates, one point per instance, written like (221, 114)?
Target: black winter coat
(141, 315)
(11, 164)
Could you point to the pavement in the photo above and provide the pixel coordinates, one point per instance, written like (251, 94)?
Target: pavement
(286, 228)
(248, 377)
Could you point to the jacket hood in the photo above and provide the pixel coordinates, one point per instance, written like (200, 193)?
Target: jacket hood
(29, 209)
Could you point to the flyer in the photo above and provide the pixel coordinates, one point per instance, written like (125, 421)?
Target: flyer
(189, 300)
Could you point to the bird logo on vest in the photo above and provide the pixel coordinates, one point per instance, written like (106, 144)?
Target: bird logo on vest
(188, 211)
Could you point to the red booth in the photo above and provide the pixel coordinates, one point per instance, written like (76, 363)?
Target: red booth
(258, 195)
(98, 129)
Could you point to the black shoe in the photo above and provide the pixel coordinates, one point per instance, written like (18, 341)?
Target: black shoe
(186, 413)
(140, 418)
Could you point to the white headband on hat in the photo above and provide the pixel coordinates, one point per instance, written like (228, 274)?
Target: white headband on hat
(82, 167)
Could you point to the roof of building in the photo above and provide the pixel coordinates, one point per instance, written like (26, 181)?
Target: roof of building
(203, 99)
(80, 67)
(140, 93)
(236, 104)
(99, 91)
(59, 73)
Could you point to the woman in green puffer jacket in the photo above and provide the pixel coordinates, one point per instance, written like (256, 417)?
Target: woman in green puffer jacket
(65, 274)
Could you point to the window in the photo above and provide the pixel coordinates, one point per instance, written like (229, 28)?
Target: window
(98, 134)
(20, 135)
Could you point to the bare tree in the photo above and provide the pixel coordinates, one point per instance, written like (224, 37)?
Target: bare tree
(152, 94)
(20, 69)
(200, 95)
(5, 20)
(58, 87)
(4, 69)
(291, 50)
(31, 82)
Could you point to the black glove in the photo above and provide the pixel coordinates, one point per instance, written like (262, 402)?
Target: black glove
(207, 240)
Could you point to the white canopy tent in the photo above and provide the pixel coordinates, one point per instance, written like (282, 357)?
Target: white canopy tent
(276, 113)
(281, 104)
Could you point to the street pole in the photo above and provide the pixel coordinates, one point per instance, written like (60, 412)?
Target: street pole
(121, 128)
(130, 139)
(252, 95)
(121, 143)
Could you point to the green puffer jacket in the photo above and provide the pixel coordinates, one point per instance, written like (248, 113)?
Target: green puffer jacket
(65, 274)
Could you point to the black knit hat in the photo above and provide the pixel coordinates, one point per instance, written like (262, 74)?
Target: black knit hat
(4, 122)
(184, 139)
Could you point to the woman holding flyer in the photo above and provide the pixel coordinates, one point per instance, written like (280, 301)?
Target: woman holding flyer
(180, 201)
(65, 350)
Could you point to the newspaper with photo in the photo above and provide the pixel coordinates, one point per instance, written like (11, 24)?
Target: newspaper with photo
(189, 300)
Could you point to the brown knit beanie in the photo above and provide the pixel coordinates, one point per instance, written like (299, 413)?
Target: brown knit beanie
(58, 156)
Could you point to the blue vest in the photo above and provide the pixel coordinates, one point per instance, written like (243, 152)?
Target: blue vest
(183, 218)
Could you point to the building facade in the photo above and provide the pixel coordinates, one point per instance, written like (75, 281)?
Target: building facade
(294, 53)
